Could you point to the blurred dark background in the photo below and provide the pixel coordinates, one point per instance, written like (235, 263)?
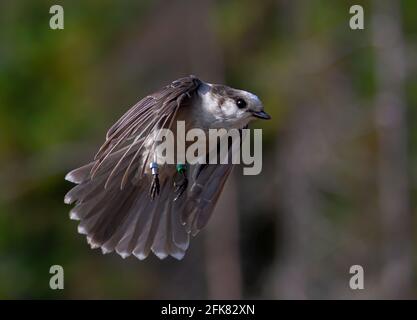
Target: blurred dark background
(339, 178)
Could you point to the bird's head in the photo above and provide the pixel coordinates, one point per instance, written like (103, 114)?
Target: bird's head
(231, 108)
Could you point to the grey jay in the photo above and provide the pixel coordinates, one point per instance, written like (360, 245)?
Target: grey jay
(128, 202)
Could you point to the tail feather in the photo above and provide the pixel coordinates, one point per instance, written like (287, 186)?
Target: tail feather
(180, 237)
(147, 237)
(129, 222)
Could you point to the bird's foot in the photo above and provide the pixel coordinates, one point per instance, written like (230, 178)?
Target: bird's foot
(155, 187)
(181, 184)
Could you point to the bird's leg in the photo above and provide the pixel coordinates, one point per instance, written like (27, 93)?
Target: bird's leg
(180, 184)
(155, 187)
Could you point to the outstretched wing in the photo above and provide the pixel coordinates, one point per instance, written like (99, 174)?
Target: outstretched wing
(157, 110)
(111, 199)
(207, 183)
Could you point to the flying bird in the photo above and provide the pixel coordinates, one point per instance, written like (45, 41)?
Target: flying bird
(128, 202)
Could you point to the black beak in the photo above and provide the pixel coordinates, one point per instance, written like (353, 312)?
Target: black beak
(261, 115)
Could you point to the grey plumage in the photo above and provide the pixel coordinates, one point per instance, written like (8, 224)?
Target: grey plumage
(111, 196)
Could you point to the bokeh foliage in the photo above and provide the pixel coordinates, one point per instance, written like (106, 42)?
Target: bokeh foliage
(60, 91)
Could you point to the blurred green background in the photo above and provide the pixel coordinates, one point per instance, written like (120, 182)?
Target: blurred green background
(339, 178)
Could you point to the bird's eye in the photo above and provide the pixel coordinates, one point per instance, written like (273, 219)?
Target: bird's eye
(240, 103)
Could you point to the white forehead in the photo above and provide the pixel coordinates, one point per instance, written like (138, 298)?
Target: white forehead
(251, 97)
(254, 99)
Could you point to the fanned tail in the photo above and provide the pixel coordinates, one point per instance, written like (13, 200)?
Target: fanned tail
(126, 221)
